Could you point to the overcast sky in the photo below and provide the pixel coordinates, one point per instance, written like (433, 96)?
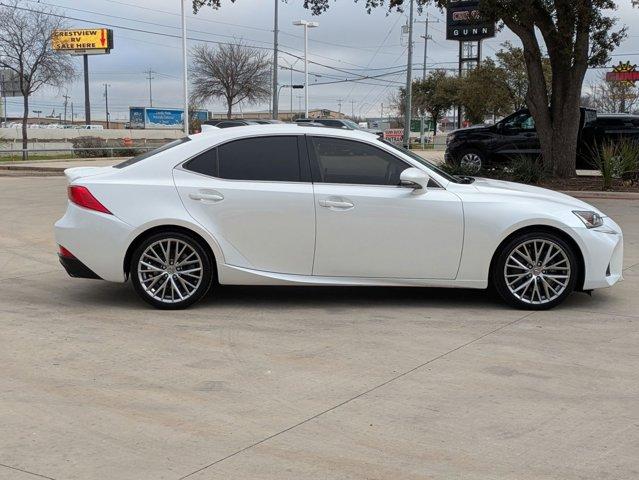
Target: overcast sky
(348, 42)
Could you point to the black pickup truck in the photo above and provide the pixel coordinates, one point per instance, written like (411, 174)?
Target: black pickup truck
(515, 136)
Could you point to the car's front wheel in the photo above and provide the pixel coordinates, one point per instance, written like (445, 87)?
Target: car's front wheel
(535, 271)
(472, 160)
(171, 270)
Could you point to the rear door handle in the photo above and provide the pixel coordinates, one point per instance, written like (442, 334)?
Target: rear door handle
(207, 197)
(336, 204)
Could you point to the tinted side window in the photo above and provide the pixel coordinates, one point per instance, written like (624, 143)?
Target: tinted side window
(349, 161)
(263, 158)
(205, 163)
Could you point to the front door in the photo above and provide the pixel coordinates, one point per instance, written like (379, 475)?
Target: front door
(519, 136)
(255, 198)
(369, 226)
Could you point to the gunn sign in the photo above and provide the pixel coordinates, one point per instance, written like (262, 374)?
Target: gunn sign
(464, 22)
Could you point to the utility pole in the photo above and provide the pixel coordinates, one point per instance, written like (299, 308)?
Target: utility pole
(66, 100)
(87, 100)
(353, 109)
(275, 46)
(72, 114)
(426, 37)
(150, 78)
(339, 103)
(409, 79)
(106, 99)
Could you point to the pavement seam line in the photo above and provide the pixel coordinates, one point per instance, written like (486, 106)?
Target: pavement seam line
(26, 471)
(359, 395)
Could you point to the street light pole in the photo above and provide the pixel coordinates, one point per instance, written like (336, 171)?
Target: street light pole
(275, 46)
(185, 77)
(409, 79)
(306, 25)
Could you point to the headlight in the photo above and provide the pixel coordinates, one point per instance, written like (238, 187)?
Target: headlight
(590, 219)
(450, 138)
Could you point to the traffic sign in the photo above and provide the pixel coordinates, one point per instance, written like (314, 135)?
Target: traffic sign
(90, 41)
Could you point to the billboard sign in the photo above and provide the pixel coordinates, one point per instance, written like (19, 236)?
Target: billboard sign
(164, 118)
(464, 22)
(136, 117)
(88, 41)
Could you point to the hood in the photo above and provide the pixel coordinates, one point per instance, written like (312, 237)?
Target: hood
(74, 173)
(521, 190)
(474, 128)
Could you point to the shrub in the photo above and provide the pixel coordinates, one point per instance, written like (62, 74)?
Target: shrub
(525, 169)
(458, 169)
(90, 147)
(617, 159)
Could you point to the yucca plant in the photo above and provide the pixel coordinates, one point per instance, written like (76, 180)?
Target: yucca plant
(616, 159)
(525, 169)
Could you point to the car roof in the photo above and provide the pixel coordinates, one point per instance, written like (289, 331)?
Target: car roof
(278, 129)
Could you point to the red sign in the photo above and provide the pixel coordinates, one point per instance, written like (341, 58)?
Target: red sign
(622, 76)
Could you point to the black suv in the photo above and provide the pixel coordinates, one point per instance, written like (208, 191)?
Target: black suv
(515, 136)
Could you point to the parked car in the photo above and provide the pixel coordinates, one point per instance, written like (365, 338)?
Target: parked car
(486, 145)
(340, 123)
(239, 122)
(291, 205)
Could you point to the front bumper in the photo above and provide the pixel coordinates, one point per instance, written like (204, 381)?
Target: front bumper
(603, 255)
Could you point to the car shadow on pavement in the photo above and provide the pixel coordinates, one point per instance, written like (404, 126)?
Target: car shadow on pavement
(123, 296)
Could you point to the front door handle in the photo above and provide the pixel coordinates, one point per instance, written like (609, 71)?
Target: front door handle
(336, 204)
(207, 197)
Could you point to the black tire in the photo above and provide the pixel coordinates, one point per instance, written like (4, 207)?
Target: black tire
(180, 277)
(546, 280)
(472, 159)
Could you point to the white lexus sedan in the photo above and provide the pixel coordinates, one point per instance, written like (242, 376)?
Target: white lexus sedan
(295, 205)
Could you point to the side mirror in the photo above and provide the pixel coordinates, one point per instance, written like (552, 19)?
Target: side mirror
(416, 179)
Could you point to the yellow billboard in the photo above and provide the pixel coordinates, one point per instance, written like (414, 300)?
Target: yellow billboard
(83, 41)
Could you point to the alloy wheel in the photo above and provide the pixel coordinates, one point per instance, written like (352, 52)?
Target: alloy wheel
(538, 271)
(170, 270)
(471, 161)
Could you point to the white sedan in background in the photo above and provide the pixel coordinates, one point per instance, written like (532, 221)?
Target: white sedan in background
(295, 205)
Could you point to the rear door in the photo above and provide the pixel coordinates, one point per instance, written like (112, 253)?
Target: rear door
(255, 197)
(519, 136)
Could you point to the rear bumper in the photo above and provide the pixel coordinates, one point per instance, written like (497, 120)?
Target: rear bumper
(98, 242)
(76, 269)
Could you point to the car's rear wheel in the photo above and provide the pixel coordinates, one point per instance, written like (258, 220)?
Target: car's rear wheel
(171, 270)
(535, 271)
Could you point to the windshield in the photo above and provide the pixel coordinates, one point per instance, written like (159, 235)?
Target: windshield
(425, 162)
(150, 153)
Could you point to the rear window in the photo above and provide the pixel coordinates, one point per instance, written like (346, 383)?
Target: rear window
(150, 153)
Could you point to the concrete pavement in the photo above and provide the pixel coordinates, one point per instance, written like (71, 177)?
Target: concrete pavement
(296, 383)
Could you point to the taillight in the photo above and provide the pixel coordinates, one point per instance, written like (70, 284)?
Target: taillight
(65, 253)
(82, 196)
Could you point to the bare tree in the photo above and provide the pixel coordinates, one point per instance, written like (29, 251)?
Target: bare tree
(234, 72)
(25, 49)
(614, 97)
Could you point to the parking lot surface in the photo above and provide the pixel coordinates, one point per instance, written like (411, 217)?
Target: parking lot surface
(306, 383)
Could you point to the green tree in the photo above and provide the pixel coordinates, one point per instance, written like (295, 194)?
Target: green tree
(511, 60)
(435, 95)
(576, 34)
(483, 92)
